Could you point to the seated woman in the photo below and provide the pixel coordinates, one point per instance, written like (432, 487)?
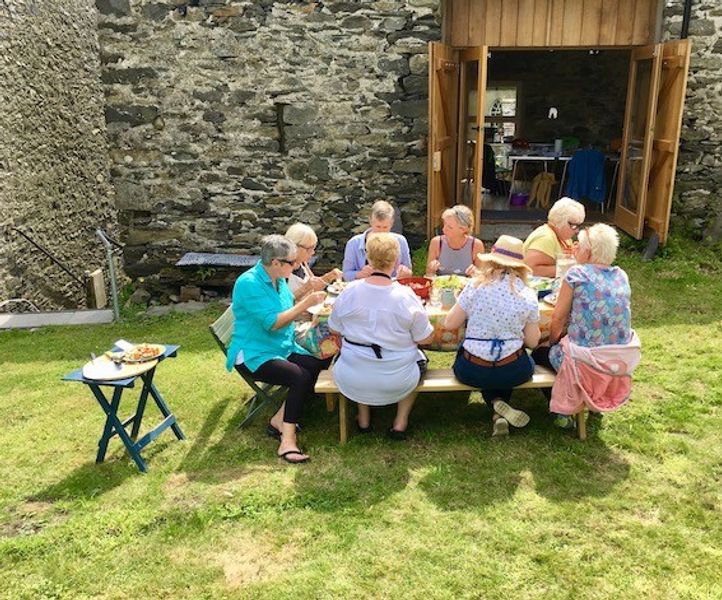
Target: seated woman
(381, 322)
(302, 281)
(593, 311)
(263, 338)
(503, 318)
(456, 251)
(553, 238)
(355, 264)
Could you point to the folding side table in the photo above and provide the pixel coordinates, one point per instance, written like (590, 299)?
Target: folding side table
(113, 424)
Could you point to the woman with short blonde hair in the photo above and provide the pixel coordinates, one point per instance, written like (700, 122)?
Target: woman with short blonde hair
(456, 251)
(381, 322)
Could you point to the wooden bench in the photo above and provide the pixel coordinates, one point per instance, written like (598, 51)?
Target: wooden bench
(435, 380)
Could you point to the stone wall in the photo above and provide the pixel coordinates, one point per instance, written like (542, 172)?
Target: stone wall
(698, 184)
(587, 89)
(231, 120)
(53, 152)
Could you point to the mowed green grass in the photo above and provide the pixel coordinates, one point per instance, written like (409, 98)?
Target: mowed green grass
(633, 512)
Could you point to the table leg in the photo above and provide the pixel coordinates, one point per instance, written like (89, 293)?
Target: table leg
(613, 184)
(108, 409)
(342, 419)
(113, 426)
(564, 176)
(140, 410)
(511, 182)
(162, 406)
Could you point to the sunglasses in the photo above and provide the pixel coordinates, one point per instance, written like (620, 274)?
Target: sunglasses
(285, 260)
(575, 226)
(307, 248)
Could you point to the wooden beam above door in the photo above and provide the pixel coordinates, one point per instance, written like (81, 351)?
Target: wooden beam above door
(549, 23)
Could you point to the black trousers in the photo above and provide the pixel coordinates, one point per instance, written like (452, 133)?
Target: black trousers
(299, 374)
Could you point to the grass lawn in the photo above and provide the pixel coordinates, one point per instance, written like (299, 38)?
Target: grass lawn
(634, 512)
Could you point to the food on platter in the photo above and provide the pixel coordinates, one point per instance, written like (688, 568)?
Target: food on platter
(420, 285)
(143, 353)
(453, 282)
(337, 287)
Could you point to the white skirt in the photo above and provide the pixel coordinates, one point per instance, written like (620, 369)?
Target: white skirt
(365, 379)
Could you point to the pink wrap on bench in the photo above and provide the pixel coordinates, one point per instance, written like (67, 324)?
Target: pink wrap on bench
(600, 377)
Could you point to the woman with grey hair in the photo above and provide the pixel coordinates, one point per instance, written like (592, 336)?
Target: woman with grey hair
(302, 281)
(263, 341)
(594, 304)
(455, 252)
(355, 264)
(553, 238)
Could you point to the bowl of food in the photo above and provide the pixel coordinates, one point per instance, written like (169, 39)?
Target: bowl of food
(542, 285)
(454, 282)
(420, 285)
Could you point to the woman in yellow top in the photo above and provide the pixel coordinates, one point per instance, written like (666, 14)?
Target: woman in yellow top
(543, 245)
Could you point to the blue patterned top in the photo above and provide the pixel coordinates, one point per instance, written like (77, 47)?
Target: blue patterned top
(601, 308)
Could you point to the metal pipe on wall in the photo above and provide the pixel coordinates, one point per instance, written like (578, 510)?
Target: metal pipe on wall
(685, 20)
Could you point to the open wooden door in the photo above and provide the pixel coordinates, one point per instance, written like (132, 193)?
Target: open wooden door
(470, 138)
(443, 124)
(644, 72)
(668, 125)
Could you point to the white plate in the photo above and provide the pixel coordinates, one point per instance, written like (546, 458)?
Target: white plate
(551, 299)
(322, 309)
(336, 287)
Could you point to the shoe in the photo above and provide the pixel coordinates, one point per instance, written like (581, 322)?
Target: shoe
(271, 431)
(398, 436)
(285, 456)
(500, 428)
(565, 421)
(360, 429)
(516, 418)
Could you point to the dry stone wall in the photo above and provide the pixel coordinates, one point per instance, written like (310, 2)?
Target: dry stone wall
(53, 152)
(698, 184)
(231, 120)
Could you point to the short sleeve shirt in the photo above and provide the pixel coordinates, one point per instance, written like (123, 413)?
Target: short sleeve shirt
(496, 312)
(544, 240)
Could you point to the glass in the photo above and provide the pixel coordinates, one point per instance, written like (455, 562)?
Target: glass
(634, 175)
(307, 248)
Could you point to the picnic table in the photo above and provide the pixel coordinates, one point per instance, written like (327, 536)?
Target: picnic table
(113, 425)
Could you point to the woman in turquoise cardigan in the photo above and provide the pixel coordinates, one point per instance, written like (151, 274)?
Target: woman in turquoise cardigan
(263, 340)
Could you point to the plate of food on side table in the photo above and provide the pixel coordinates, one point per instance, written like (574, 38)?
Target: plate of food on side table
(143, 353)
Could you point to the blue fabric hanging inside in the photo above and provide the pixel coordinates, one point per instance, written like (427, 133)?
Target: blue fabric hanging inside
(586, 176)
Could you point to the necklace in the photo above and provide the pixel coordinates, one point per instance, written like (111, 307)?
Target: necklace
(380, 274)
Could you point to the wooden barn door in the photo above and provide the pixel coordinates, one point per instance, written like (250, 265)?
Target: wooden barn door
(470, 139)
(665, 146)
(644, 68)
(652, 125)
(443, 124)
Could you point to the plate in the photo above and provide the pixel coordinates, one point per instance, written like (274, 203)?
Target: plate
(143, 353)
(323, 309)
(336, 287)
(551, 299)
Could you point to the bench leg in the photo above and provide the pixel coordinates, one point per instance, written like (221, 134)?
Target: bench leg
(330, 402)
(582, 425)
(342, 419)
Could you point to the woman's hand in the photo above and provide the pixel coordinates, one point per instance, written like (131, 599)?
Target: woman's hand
(471, 271)
(313, 299)
(433, 267)
(333, 275)
(403, 271)
(317, 283)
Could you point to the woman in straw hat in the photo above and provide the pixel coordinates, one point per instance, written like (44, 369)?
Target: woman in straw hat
(502, 316)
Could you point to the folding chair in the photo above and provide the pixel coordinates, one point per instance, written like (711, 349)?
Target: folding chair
(265, 393)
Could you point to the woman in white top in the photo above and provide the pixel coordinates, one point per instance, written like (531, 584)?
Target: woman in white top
(503, 318)
(302, 280)
(455, 252)
(381, 322)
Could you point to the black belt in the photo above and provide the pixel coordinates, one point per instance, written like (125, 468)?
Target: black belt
(375, 347)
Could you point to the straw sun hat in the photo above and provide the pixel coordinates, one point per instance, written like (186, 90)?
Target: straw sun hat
(507, 251)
